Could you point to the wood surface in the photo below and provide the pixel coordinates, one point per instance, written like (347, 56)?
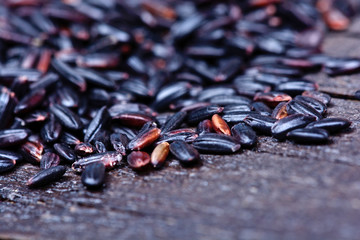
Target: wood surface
(276, 191)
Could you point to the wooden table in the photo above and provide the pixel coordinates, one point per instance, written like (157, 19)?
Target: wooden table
(278, 191)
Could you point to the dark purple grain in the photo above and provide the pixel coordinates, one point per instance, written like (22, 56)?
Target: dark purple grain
(119, 141)
(45, 82)
(262, 108)
(67, 97)
(94, 175)
(133, 119)
(169, 94)
(224, 100)
(66, 117)
(65, 152)
(188, 137)
(184, 152)
(95, 78)
(69, 139)
(46, 176)
(69, 74)
(237, 108)
(216, 143)
(313, 102)
(8, 160)
(300, 107)
(308, 135)
(244, 134)
(285, 125)
(236, 117)
(197, 115)
(332, 125)
(357, 94)
(13, 137)
(260, 123)
(6, 164)
(296, 87)
(49, 160)
(322, 97)
(51, 130)
(100, 147)
(173, 122)
(99, 122)
(8, 102)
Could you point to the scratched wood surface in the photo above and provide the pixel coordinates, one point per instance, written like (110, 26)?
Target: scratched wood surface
(276, 191)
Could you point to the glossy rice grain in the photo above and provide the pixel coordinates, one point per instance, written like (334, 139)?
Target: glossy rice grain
(8, 102)
(301, 107)
(332, 125)
(13, 137)
(51, 130)
(6, 164)
(100, 147)
(98, 123)
(322, 97)
(65, 152)
(46, 176)
(69, 74)
(184, 152)
(308, 135)
(216, 144)
(173, 122)
(312, 102)
(197, 115)
(93, 176)
(66, 117)
(119, 142)
(188, 137)
(8, 160)
(49, 160)
(244, 134)
(285, 125)
(30, 101)
(260, 123)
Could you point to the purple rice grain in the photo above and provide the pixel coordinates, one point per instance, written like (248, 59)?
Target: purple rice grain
(49, 160)
(94, 175)
(46, 176)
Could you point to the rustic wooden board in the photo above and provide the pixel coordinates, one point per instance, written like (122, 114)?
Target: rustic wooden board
(276, 191)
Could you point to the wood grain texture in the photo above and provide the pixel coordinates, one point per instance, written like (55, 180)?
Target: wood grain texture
(277, 191)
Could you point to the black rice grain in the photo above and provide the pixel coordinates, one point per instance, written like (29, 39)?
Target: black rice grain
(46, 176)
